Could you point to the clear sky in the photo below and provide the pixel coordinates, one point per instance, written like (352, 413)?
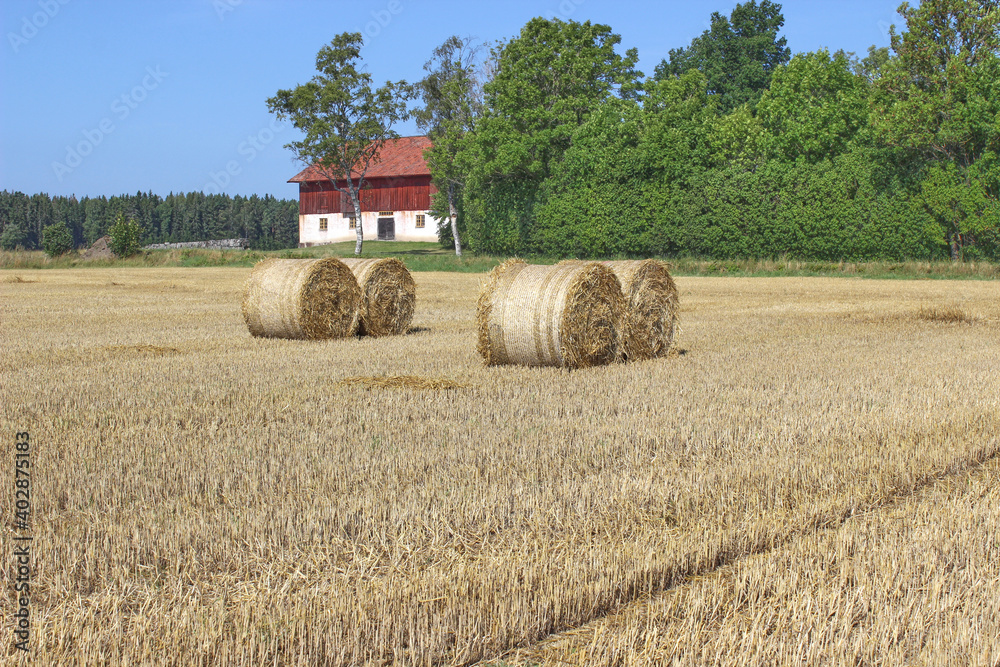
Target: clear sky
(113, 97)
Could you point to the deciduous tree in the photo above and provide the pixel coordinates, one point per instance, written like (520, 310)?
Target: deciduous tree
(737, 54)
(125, 236)
(548, 81)
(57, 239)
(344, 121)
(814, 107)
(452, 97)
(940, 100)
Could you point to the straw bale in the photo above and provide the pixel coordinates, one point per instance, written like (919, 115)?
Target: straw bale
(388, 296)
(564, 315)
(652, 316)
(302, 299)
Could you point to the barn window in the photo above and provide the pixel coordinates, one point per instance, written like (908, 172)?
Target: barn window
(352, 222)
(421, 220)
(383, 214)
(322, 224)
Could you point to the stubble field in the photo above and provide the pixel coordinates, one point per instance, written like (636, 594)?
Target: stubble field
(813, 479)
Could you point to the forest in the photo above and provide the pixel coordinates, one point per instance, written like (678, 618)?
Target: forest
(267, 222)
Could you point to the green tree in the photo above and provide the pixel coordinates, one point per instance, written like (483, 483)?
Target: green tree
(739, 140)
(57, 239)
(737, 54)
(547, 82)
(871, 66)
(94, 218)
(814, 107)
(615, 191)
(679, 114)
(452, 97)
(125, 236)
(345, 121)
(939, 99)
(594, 202)
(964, 201)
(13, 237)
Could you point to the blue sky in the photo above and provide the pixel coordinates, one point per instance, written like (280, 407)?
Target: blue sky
(106, 98)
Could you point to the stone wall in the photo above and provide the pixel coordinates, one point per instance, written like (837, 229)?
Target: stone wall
(223, 244)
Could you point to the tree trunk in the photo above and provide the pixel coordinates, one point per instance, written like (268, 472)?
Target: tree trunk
(357, 219)
(453, 213)
(955, 247)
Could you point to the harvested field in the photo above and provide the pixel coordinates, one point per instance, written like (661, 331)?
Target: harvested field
(913, 584)
(819, 464)
(401, 382)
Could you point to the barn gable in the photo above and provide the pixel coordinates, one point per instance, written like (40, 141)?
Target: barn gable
(395, 203)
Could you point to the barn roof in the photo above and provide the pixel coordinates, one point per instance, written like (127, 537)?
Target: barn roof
(399, 157)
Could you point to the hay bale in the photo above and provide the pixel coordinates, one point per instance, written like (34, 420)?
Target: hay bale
(388, 295)
(564, 315)
(652, 316)
(302, 299)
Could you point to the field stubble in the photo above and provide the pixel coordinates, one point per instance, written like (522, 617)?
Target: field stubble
(203, 494)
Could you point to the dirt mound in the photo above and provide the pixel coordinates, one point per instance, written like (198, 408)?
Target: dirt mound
(100, 250)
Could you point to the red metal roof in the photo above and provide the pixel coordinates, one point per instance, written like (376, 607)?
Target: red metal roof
(398, 157)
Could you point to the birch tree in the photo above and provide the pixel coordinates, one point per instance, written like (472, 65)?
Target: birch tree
(344, 121)
(452, 97)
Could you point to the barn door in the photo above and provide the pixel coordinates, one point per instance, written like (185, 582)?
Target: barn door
(386, 229)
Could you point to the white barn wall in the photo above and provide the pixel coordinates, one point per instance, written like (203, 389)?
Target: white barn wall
(338, 230)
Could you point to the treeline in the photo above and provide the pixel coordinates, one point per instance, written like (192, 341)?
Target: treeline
(733, 148)
(268, 222)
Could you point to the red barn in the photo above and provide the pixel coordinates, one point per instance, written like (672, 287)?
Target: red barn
(395, 202)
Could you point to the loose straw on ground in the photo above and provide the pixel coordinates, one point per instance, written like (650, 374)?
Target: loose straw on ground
(301, 298)
(388, 296)
(400, 382)
(564, 315)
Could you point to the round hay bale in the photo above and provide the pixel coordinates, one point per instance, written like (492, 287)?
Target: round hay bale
(564, 315)
(388, 295)
(302, 299)
(652, 316)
